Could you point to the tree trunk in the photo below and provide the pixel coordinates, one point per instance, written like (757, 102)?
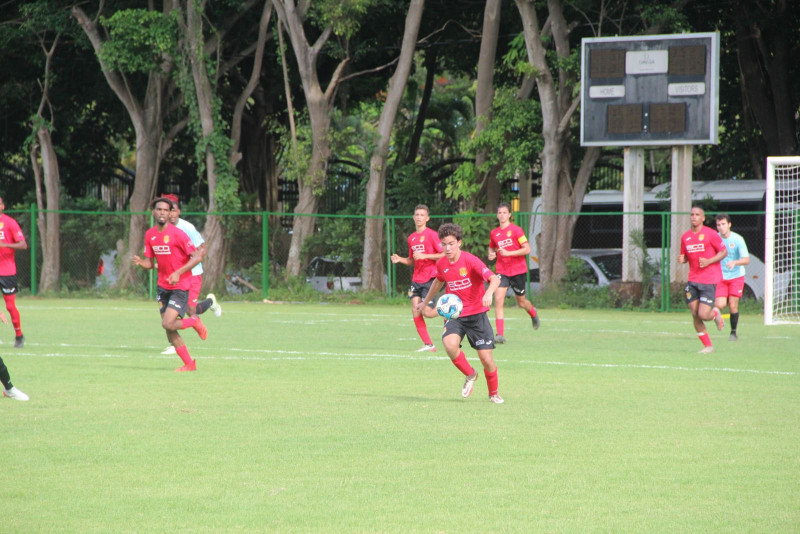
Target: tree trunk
(319, 104)
(147, 118)
(373, 261)
(484, 95)
(559, 193)
(51, 229)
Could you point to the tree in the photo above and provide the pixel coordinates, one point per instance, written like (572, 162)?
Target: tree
(336, 19)
(372, 263)
(139, 43)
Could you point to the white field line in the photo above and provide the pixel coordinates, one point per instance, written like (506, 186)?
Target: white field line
(288, 355)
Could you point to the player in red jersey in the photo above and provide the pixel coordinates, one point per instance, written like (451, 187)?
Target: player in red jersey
(424, 248)
(464, 274)
(509, 245)
(11, 240)
(175, 255)
(702, 248)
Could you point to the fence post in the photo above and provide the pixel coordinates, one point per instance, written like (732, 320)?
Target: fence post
(389, 231)
(264, 256)
(34, 284)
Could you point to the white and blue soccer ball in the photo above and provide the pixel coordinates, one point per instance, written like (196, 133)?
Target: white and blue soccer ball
(449, 306)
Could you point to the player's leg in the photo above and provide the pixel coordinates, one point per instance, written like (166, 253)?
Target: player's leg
(518, 283)
(733, 303)
(499, 308)
(9, 285)
(194, 294)
(453, 334)
(8, 388)
(692, 292)
(419, 323)
(177, 301)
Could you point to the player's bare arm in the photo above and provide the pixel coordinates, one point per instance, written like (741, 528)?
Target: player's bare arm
(741, 261)
(436, 285)
(396, 258)
(419, 255)
(705, 262)
(145, 263)
(3, 317)
(526, 249)
(494, 283)
(682, 258)
(194, 259)
(492, 254)
(19, 245)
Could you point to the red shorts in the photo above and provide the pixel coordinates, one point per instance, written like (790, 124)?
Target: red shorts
(194, 289)
(730, 288)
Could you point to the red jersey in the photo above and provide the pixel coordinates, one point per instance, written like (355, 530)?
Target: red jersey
(10, 232)
(172, 249)
(465, 278)
(427, 242)
(704, 244)
(509, 238)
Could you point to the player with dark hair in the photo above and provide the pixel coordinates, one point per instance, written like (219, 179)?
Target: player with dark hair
(175, 256)
(509, 245)
(730, 288)
(702, 248)
(8, 388)
(464, 274)
(210, 302)
(424, 249)
(11, 240)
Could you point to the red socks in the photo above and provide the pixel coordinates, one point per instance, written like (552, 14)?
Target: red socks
(422, 329)
(532, 311)
(189, 322)
(500, 326)
(183, 352)
(11, 306)
(491, 381)
(463, 365)
(704, 339)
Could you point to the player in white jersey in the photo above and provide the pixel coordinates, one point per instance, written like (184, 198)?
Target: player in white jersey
(730, 290)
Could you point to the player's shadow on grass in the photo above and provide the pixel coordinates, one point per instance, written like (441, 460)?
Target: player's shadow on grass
(406, 398)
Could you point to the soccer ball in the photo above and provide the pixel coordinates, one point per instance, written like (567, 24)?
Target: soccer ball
(449, 306)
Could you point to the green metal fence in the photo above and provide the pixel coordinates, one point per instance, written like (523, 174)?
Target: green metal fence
(90, 240)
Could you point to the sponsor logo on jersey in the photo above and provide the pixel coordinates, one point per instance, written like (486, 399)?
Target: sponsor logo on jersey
(504, 243)
(161, 249)
(418, 248)
(695, 248)
(459, 285)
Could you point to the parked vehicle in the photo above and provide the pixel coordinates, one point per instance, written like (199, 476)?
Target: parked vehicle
(329, 274)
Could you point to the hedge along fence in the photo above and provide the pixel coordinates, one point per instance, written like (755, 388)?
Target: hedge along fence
(93, 243)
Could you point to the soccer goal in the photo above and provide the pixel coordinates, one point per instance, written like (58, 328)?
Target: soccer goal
(782, 242)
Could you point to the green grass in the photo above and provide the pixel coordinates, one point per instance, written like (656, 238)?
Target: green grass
(323, 418)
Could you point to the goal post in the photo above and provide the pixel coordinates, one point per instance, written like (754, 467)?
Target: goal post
(782, 241)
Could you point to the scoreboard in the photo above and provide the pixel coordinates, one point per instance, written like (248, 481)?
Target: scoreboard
(650, 90)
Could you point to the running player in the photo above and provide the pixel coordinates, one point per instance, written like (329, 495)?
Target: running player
(702, 248)
(175, 255)
(424, 249)
(11, 240)
(731, 287)
(199, 243)
(509, 245)
(464, 275)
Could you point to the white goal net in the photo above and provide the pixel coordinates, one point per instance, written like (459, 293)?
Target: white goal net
(782, 242)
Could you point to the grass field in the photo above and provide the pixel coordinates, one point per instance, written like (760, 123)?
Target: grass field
(323, 418)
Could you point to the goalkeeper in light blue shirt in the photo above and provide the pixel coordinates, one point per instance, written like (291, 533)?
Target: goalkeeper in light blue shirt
(730, 290)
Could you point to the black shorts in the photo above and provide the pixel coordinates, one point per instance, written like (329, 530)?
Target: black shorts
(517, 283)
(8, 284)
(477, 329)
(177, 299)
(419, 289)
(703, 292)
